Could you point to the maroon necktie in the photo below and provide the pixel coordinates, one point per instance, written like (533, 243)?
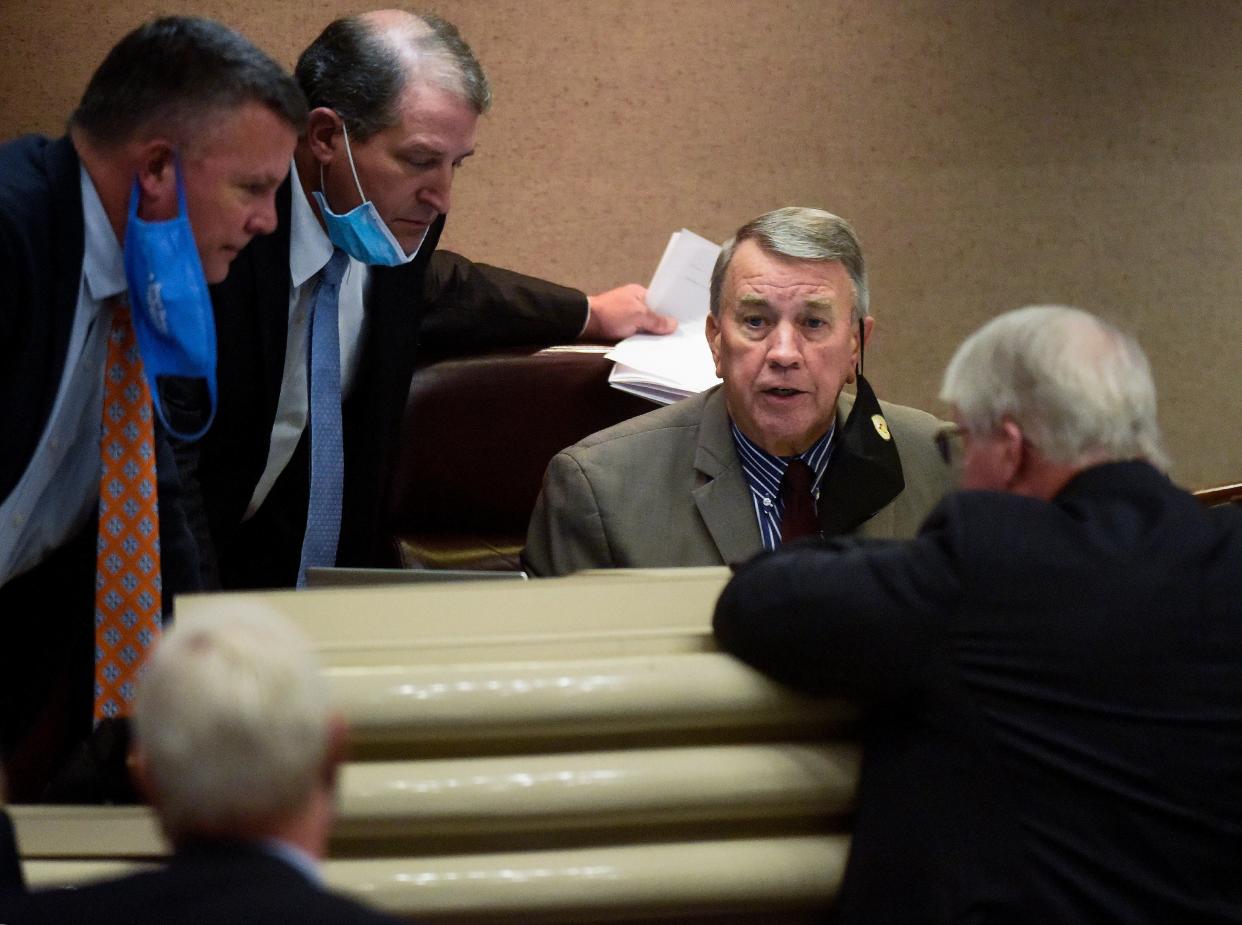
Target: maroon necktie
(799, 518)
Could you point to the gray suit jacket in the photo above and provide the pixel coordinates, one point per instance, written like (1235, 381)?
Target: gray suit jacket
(667, 489)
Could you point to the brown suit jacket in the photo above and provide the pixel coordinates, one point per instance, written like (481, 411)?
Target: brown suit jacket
(666, 489)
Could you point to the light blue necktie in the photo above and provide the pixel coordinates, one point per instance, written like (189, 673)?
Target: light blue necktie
(327, 452)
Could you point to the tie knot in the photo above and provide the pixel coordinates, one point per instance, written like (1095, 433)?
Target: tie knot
(798, 477)
(335, 268)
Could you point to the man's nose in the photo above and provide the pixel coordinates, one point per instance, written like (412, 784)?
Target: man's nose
(263, 219)
(785, 345)
(437, 192)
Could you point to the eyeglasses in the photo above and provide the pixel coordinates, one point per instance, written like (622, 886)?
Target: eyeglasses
(951, 444)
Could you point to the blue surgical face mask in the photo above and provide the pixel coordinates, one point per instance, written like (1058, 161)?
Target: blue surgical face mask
(169, 303)
(361, 232)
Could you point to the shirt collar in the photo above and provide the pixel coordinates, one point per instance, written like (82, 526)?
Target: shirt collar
(294, 856)
(102, 263)
(310, 249)
(764, 471)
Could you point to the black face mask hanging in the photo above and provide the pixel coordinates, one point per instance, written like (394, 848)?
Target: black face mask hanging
(864, 473)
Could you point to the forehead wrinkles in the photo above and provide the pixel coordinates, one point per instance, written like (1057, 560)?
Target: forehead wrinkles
(784, 284)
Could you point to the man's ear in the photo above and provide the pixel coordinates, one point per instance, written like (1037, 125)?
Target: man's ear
(323, 126)
(337, 750)
(857, 347)
(713, 331)
(1015, 454)
(140, 773)
(156, 171)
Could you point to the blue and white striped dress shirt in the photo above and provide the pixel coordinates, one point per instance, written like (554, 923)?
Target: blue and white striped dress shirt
(764, 472)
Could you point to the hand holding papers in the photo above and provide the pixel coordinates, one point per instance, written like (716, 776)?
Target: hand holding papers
(670, 367)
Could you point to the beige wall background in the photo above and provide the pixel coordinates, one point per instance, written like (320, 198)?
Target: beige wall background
(991, 154)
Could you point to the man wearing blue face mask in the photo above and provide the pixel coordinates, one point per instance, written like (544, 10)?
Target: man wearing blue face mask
(328, 312)
(106, 278)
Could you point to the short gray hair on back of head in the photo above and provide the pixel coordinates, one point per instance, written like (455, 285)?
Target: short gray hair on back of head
(799, 233)
(359, 70)
(1080, 389)
(232, 717)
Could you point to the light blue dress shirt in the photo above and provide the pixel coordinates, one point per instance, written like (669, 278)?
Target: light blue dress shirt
(295, 857)
(59, 491)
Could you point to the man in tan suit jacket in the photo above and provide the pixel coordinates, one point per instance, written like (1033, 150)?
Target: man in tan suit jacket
(707, 481)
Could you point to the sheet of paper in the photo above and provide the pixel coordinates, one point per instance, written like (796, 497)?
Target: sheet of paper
(664, 368)
(674, 366)
(681, 282)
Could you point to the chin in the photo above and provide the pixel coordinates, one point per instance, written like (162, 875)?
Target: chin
(216, 270)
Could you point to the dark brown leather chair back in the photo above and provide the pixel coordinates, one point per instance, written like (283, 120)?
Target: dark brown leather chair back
(478, 434)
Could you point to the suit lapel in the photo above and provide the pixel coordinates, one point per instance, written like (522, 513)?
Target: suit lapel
(272, 289)
(864, 473)
(722, 496)
(373, 411)
(70, 236)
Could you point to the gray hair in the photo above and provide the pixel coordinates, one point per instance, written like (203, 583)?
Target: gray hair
(803, 234)
(171, 74)
(232, 717)
(1080, 389)
(359, 69)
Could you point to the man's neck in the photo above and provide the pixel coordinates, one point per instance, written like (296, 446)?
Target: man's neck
(306, 830)
(308, 167)
(112, 176)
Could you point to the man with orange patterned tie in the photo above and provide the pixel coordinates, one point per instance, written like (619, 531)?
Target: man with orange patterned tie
(107, 295)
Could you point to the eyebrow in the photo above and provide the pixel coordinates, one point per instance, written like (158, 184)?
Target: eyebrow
(421, 148)
(261, 179)
(752, 300)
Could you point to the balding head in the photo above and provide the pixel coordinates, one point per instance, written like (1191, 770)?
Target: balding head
(360, 67)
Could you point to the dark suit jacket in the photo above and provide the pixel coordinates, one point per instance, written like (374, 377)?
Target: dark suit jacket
(10, 861)
(474, 307)
(41, 252)
(1055, 725)
(203, 884)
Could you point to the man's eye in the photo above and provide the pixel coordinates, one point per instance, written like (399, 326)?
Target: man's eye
(752, 321)
(815, 322)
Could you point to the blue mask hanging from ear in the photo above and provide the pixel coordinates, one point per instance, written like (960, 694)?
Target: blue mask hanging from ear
(169, 303)
(361, 232)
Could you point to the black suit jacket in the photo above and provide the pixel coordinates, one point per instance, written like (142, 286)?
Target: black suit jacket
(10, 861)
(41, 253)
(203, 884)
(1055, 728)
(468, 306)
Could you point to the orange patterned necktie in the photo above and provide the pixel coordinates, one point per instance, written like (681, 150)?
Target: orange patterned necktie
(127, 563)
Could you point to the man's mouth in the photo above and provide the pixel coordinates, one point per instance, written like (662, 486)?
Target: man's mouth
(783, 392)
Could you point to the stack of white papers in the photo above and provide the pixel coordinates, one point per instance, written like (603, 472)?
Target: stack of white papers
(667, 368)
